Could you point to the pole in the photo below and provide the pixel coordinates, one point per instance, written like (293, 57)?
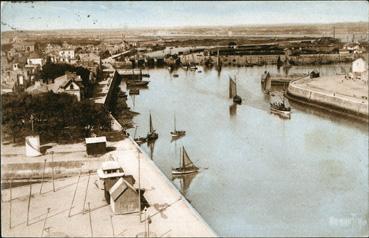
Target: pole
(89, 214)
(74, 195)
(145, 224)
(139, 183)
(148, 225)
(43, 228)
(112, 225)
(52, 161)
(32, 122)
(43, 174)
(10, 206)
(29, 200)
(84, 202)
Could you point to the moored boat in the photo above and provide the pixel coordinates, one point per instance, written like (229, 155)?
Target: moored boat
(177, 133)
(137, 83)
(233, 92)
(152, 135)
(186, 167)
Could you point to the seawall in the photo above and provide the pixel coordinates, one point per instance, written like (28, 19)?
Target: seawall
(250, 60)
(301, 91)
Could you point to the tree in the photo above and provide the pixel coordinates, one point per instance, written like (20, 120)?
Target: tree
(58, 117)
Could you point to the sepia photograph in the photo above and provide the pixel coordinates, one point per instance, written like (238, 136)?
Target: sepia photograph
(184, 118)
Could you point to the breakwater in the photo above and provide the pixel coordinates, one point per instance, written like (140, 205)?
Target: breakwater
(354, 107)
(252, 60)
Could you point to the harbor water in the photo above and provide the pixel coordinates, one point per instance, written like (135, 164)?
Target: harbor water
(260, 175)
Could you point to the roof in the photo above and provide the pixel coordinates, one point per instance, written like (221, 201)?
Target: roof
(129, 71)
(69, 81)
(34, 55)
(57, 83)
(119, 187)
(110, 165)
(92, 140)
(62, 81)
(37, 88)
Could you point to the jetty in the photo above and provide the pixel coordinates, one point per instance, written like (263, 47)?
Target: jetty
(335, 93)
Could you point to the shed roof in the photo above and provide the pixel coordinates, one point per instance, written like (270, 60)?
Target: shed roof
(92, 140)
(119, 187)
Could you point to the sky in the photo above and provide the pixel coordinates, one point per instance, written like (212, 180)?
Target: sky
(95, 14)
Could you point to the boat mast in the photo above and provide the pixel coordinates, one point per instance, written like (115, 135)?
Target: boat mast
(151, 127)
(134, 136)
(182, 159)
(235, 86)
(175, 128)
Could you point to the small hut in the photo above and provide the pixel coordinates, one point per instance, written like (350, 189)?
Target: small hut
(110, 173)
(96, 145)
(123, 197)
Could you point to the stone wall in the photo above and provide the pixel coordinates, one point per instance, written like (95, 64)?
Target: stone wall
(346, 104)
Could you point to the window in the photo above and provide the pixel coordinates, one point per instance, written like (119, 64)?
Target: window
(71, 86)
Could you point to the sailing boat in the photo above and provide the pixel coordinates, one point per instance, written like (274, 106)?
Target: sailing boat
(176, 134)
(152, 135)
(233, 91)
(193, 64)
(187, 166)
(139, 140)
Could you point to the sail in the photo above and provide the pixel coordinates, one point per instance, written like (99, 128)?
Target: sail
(286, 103)
(186, 159)
(232, 88)
(268, 82)
(151, 127)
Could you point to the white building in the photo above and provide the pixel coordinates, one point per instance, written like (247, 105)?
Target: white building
(66, 55)
(35, 61)
(359, 66)
(360, 69)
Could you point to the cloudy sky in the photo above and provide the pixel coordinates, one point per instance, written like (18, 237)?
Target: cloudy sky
(78, 15)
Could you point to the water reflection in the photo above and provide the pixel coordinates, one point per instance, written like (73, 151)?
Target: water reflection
(233, 109)
(184, 181)
(151, 145)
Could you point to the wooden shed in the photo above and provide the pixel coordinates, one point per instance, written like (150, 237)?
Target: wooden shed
(123, 197)
(96, 145)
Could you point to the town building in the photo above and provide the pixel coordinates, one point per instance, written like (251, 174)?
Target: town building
(66, 55)
(37, 88)
(69, 83)
(360, 69)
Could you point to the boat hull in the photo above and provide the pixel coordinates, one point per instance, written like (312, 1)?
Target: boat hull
(178, 133)
(179, 171)
(140, 140)
(137, 83)
(285, 114)
(237, 99)
(152, 136)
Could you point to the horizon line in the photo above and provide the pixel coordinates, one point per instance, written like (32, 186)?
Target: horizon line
(127, 28)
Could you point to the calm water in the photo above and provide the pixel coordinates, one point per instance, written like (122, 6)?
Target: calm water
(261, 175)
